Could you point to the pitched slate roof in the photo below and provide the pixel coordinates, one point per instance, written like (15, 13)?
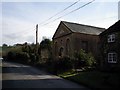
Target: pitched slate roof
(86, 29)
(114, 28)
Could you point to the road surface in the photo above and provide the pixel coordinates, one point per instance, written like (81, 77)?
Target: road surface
(16, 75)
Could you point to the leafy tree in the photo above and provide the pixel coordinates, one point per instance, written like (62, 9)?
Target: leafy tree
(4, 45)
(46, 43)
(25, 47)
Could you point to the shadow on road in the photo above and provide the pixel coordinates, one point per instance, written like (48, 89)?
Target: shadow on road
(21, 76)
(22, 70)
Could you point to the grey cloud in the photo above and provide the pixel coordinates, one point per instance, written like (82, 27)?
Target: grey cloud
(11, 36)
(30, 38)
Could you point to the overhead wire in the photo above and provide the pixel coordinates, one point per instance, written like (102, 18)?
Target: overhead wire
(51, 16)
(64, 14)
(60, 12)
(70, 12)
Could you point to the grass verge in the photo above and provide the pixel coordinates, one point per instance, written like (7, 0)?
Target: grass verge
(93, 79)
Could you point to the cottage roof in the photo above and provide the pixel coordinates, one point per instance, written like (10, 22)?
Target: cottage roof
(86, 29)
(114, 28)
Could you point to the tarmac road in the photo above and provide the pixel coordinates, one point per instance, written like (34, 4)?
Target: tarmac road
(16, 75)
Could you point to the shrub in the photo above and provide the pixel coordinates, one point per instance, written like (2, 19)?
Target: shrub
(90, 60)
(23, 57)
(63, 64)
(60, 65)
(10, 56)
(83, 59)
(15, 54)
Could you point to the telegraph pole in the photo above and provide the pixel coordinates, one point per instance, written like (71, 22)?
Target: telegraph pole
(36, 39)
(36, 34)
(36, 47)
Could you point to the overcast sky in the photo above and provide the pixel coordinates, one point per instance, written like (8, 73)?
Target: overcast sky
(19, 19)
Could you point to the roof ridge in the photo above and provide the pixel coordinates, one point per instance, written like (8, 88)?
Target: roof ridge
(83, 24)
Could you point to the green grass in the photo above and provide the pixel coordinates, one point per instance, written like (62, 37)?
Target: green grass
(5, 50)
(93, 79)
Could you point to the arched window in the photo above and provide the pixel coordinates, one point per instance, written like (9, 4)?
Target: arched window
(61, 52)
(56, 48)
(67, 47)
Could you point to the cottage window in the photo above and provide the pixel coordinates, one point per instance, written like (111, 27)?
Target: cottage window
(112, 58)
(111, 38)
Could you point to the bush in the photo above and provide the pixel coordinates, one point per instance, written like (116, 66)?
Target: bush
(64, 64)
(90, 60)
(23, 57)
(83, 59)
(18, 57)
(61, 65)
(10, 56)
(32, 58)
